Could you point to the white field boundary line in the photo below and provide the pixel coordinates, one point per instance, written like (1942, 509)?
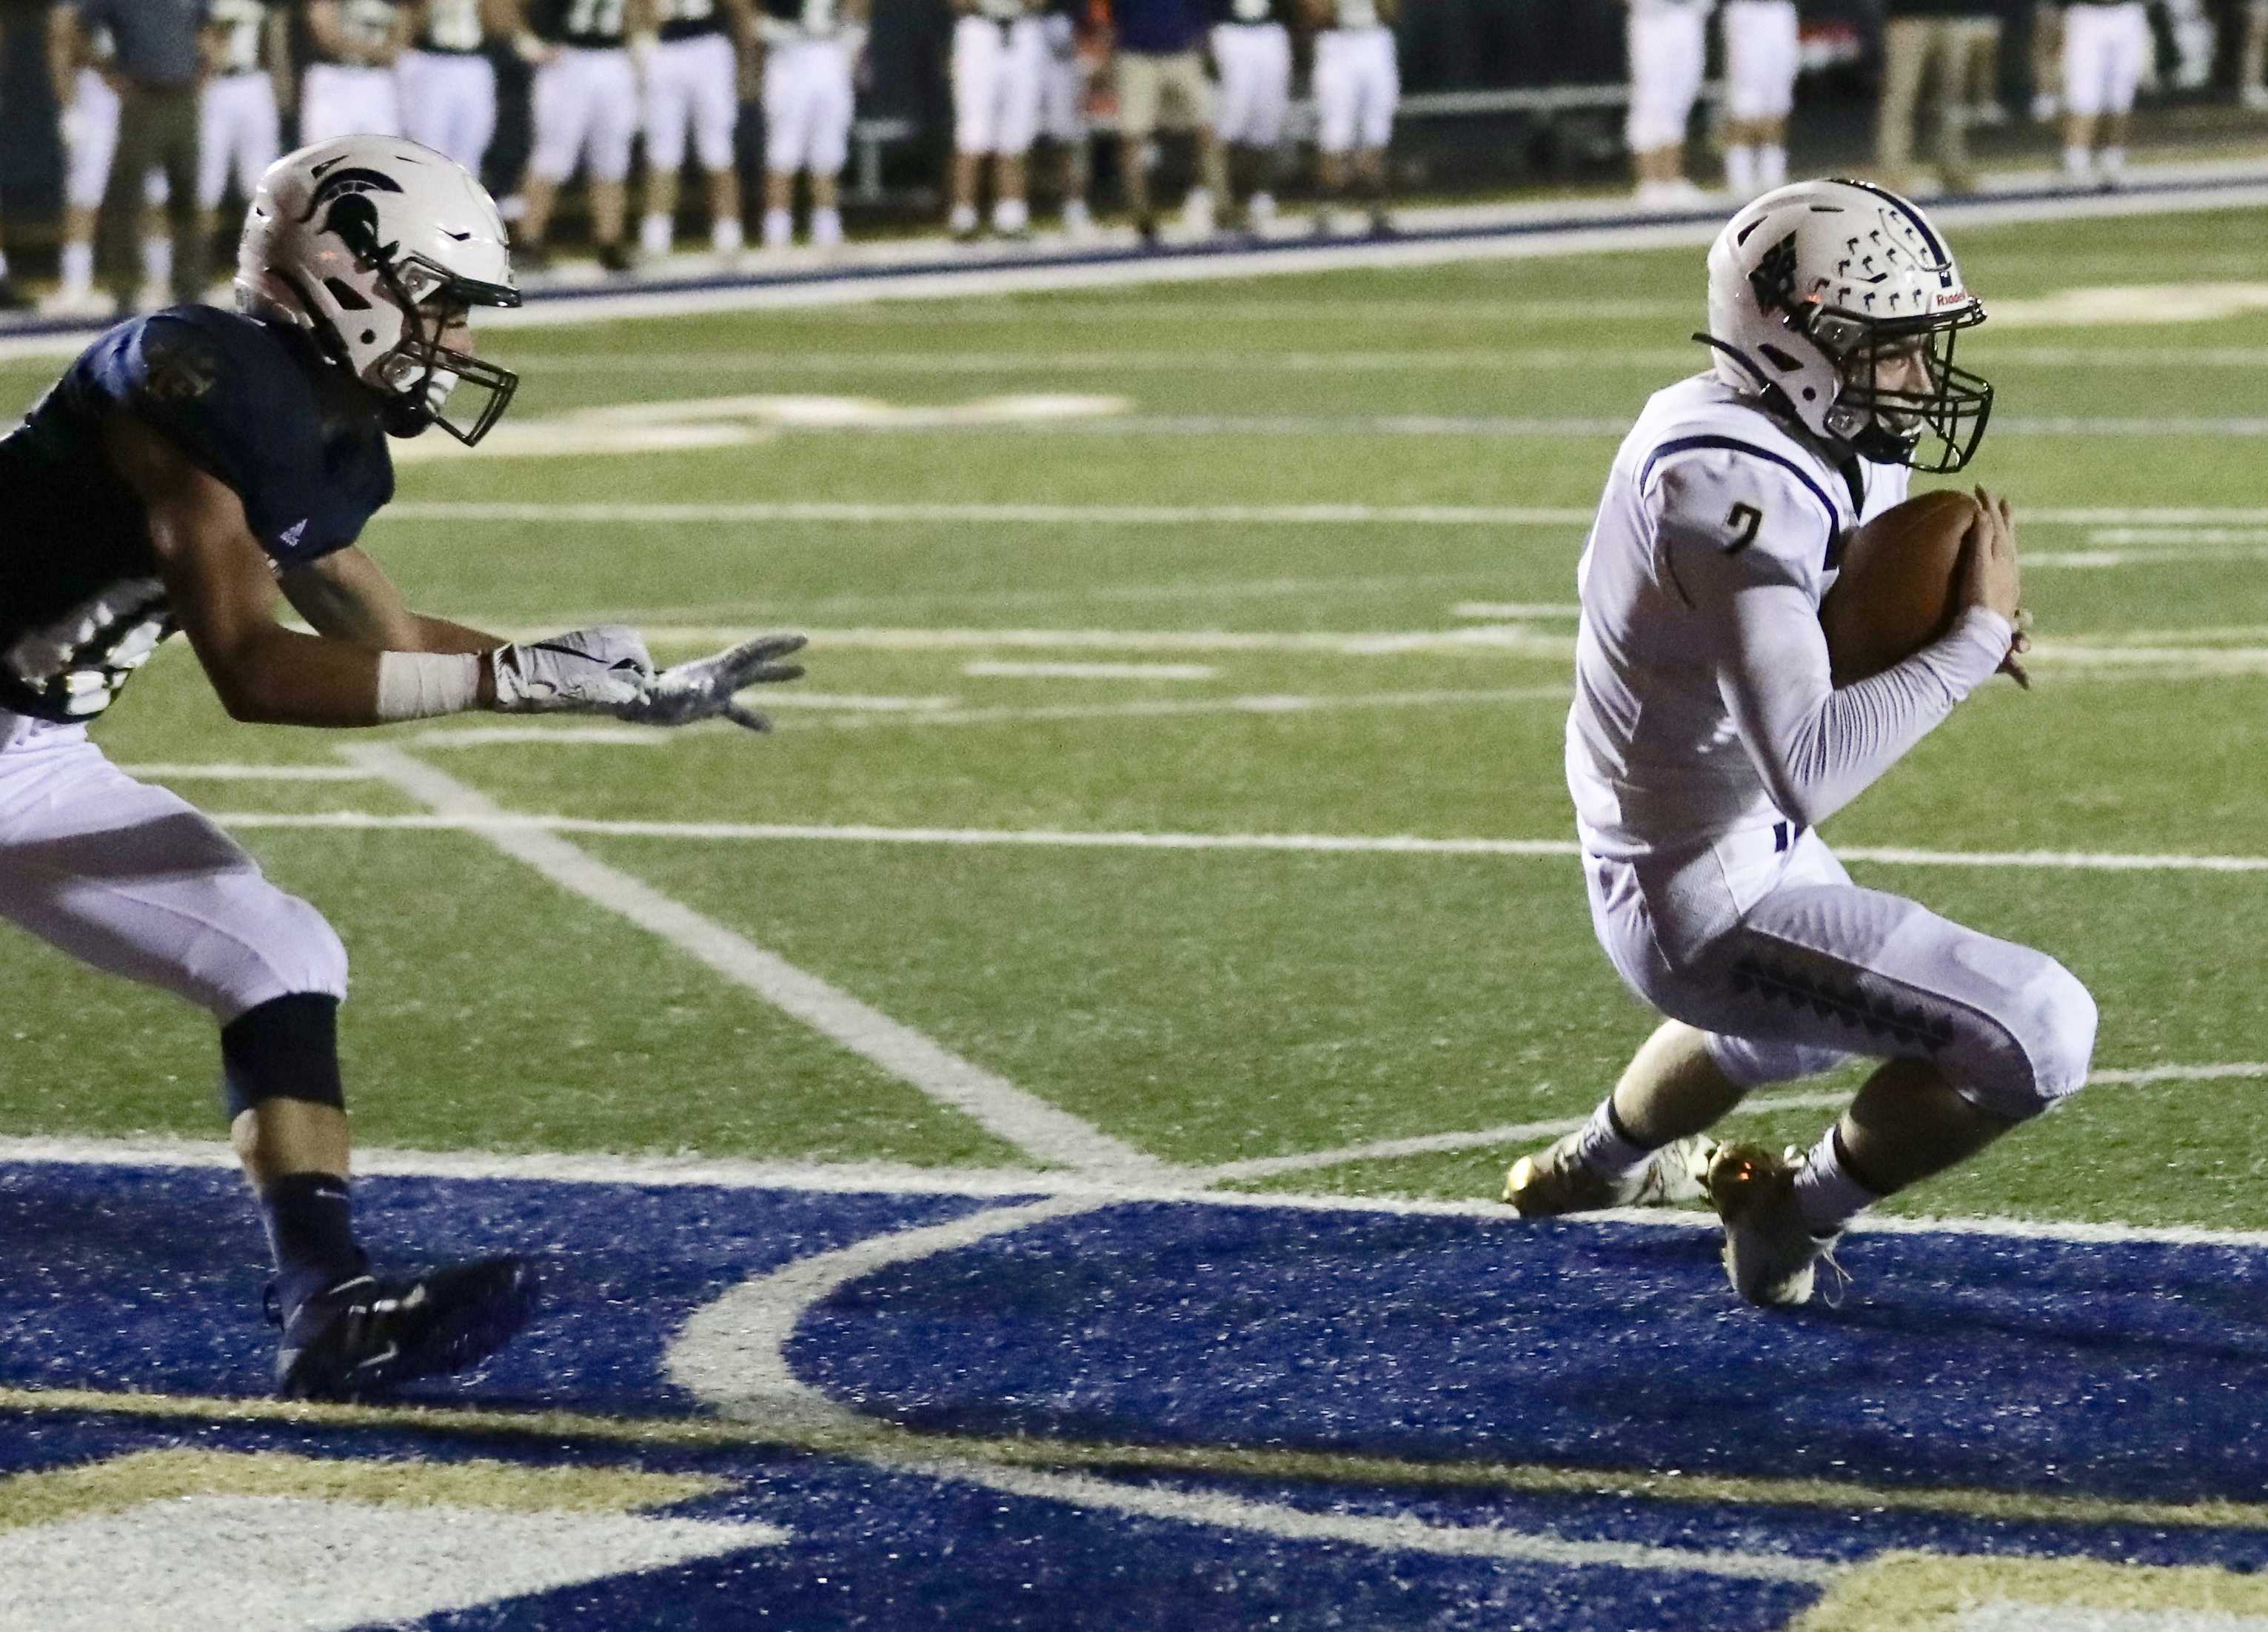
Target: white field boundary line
(1008, 1113)
(500, 826)
(731, 1354)
(943, 512)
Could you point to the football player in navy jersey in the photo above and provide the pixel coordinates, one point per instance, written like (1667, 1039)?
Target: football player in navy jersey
(189, 468)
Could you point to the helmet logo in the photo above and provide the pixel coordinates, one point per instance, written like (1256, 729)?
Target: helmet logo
(1774, 278)
(352, 216)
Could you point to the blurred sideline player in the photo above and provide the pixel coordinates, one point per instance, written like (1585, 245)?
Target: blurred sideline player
(585, 112)
(447, 83)
(811, 66)
(693, 86)
(1707, 742)
(1760, 66)
(1159, 48)
(241, 113)
(999, 47)
(2252, 57)
(349, 88)
(1357, 85)
(1062, 124)
(2105, 44)
(87, 109)
(1252, 50)
(1667, 43)
(188, 470)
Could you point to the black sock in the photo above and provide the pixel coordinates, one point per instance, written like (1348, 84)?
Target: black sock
(310, 1219)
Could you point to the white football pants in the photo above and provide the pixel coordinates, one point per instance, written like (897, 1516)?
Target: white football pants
(996, 84)
(1256, 83)
(336, 101)
(238, 134)
(1668, 45)
(586, 109)
(807, 104)
(133, 880)
(1358, 84)
(449, 103)
(1762, 942)
(696, 84)
(2103, 49)
(1760, 58)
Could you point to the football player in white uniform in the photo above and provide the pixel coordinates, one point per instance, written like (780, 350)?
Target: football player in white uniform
(1065, 70)
(2105, 44)
(1252, 50)
(1667, 42)
(448, 84)
(1358, 84)
(1760, 64)
(1707, 742)
(586, 105)
(349, 88)
(693, 84)
(240, 123)
(998, 49)
(810, 63)
(87, 107)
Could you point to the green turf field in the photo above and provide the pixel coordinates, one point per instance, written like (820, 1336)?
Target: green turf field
(1354, 674)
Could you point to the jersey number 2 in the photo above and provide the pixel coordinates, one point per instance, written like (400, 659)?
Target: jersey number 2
(1744, 521)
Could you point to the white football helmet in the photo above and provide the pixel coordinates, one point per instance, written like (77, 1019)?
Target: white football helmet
(377, 245)
(1813, 285)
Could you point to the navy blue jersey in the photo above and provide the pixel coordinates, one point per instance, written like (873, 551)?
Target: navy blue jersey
(254, 404)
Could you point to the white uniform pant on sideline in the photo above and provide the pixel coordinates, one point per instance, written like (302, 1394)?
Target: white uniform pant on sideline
(133, 880)
(695, 83)
(807, 102)
(1063, 81)
(449, 103)
(1668, 44)
(1256, 83)
(1760, 58)
(586, 109)
(2103, 49)
(238, 134)
(1357, 84)
(1762, 941)
(996, 84)
(336, 101)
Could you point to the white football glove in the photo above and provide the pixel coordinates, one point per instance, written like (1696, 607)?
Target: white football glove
(593, 671)
(705, 688)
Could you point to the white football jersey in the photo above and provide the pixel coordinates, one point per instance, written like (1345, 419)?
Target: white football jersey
(1654, 761)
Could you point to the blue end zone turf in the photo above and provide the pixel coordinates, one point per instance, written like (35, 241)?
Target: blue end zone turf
(2127, 1369)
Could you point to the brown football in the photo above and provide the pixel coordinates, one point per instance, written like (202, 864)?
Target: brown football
(1896, 594)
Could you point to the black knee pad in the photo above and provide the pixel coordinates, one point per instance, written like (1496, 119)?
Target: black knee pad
(285, 1048)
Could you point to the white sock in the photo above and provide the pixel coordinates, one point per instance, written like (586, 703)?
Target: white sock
(2074, 161)
(78, 268)
(1826, 1195)
(725, 235)
(1771, 166)
(779, 228)
(963, 218)
(1262, 208)
(1011, 215)
(826, 227)
(4, 260)
(1740, 169)
(157, 263)
(1602, 1147)
(1076, 217)
(2114, 161)
(654, 233)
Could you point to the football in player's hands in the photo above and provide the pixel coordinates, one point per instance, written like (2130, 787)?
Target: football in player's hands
(1897, 591)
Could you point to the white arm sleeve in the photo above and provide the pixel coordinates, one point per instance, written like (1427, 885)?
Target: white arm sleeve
(1816, 748)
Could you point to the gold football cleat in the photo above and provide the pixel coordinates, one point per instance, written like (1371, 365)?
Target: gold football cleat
(1552, 1181)
(1771, 1256)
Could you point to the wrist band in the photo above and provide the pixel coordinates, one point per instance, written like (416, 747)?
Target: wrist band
(419, 685)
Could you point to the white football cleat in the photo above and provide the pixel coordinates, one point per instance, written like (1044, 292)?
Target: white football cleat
(1552, 1181)
(1770, 1255)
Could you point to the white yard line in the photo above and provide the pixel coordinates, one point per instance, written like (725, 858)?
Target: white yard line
(497, 824)
(155, 771)
(994, 669)
(1022, 1119)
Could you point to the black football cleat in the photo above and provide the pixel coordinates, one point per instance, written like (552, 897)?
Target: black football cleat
(366, 1336)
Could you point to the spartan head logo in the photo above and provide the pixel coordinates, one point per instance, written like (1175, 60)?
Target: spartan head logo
(346, 193)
